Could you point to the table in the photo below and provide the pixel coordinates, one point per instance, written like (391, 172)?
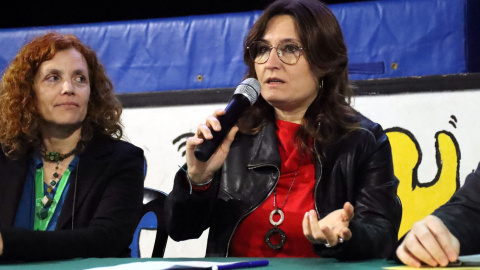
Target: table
(275, 263)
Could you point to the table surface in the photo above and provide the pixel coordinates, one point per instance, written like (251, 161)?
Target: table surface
(274, 263)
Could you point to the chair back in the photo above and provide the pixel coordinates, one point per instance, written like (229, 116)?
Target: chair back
(151, 219)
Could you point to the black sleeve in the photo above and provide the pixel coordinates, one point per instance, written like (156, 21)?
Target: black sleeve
(187, 212)
(461, 214)
(377, 209)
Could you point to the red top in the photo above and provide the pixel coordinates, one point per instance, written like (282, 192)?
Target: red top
(248, 239)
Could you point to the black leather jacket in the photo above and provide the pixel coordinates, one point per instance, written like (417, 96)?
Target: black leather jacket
(358, 168)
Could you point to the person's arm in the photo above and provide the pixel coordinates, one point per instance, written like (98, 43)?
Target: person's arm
(429, 242)
(450, 231)
(461, 214)
(377, 210)
(188, 210)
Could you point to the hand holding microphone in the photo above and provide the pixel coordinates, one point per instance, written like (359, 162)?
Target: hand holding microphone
(245, 95)
(208, 149)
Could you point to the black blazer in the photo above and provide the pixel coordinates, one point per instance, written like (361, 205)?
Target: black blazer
(101, 209)
(461, 214)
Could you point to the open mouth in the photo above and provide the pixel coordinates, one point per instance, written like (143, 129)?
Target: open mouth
(274, 80)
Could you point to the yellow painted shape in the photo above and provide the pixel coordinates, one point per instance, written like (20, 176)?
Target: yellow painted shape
(419, 202)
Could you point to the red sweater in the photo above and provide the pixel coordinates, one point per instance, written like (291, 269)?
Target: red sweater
(248, 239)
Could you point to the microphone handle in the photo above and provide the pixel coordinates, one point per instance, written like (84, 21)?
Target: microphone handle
(233, 111)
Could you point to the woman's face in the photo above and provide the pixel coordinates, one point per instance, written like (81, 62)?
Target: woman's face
(62, 88)
(288, 88)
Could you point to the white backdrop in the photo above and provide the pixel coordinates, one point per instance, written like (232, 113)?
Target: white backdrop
(423, 114)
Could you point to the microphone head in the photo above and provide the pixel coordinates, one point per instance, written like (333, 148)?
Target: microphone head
(250, 88)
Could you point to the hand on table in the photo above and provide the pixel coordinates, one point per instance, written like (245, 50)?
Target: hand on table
(429, 242)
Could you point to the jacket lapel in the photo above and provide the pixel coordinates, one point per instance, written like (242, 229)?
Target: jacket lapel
(259, 153)
(13, 174)
(89, 167)
(265, 148)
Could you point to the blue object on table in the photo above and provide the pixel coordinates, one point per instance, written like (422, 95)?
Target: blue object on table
(239, 265)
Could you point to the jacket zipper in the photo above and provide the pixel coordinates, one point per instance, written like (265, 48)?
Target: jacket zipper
(253, 209)
(318, 181)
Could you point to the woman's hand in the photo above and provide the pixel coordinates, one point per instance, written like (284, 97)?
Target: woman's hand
(330, 230)
(1, 245)
(200, 172)
(429, 242)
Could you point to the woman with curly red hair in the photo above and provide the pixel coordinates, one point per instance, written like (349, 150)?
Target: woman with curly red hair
(67, 181)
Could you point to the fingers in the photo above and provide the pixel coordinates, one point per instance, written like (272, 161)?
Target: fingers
(323, 234)
(192, 142)
(422, 244)
(345, 234)
(412, 252)
(455, 251)
(212, 120)
(229, 139)
(348, 212)
(203, 130)
(1, 245)
(430, 242)
(445, 246)
(311, 230)
(406, 257)
(306, 227)
(330, 236)
(333, 235)
(202, 171)
(218, 112)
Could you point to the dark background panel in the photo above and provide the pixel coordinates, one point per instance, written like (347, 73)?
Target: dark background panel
(424, 84)
(28, 13)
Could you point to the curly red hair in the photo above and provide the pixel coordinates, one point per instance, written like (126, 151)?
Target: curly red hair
(19, 117)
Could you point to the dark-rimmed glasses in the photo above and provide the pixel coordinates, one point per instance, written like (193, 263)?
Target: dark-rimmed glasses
(288, 52)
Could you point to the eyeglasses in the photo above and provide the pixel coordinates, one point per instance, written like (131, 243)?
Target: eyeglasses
(288, 52)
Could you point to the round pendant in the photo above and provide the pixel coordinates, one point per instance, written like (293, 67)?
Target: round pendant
(276, 211)
(271, 232)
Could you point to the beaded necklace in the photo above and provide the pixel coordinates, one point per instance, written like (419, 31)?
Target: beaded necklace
(54, 157)
(45, 204)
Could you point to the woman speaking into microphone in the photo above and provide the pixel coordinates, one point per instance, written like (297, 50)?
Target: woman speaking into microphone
(302, 174)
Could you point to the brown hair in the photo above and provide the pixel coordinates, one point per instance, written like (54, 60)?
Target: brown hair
(330, 114)
(19, 118)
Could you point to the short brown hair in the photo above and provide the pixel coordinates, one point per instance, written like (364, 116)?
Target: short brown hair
(19, 118)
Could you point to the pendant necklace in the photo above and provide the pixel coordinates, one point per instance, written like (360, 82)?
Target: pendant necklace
(278, 210)
(48, 199)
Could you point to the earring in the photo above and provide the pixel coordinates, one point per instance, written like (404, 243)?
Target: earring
(321, 84)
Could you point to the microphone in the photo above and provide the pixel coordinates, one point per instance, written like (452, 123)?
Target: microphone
(245, 95)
